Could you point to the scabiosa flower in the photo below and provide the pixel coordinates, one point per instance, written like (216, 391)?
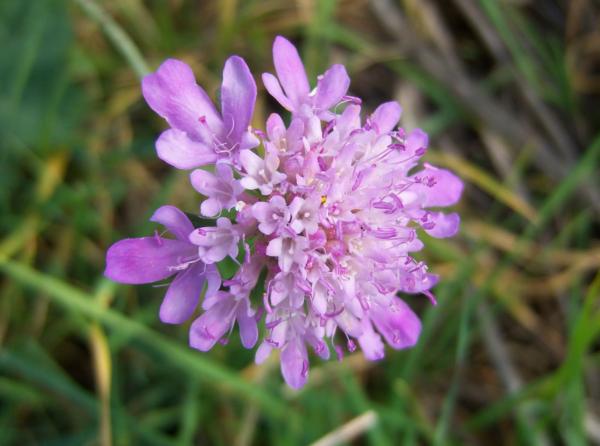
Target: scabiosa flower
(322, 216)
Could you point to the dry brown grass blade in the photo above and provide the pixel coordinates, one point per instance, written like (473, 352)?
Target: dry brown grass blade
(349, 431)
(532, 252)
(477, 176)
(102, 373)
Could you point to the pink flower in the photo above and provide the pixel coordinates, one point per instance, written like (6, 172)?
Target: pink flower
(216, 242)
(222, 311)
(305, 214)
(290, 250)
(272, 216)
(260, 174)
(221, 189)
(328, 223)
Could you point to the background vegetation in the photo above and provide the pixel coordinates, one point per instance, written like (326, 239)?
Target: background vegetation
(508, 91)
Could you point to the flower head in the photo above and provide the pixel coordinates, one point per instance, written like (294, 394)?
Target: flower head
(327, 214)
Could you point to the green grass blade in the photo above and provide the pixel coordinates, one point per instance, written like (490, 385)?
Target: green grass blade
(117, 36)
(190, 362)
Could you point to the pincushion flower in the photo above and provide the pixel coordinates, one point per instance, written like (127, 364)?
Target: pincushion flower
(322, 217)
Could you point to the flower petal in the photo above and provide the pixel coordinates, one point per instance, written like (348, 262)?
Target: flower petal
(411, 286)
(172, 92)
(238, 96)
(215, 254)
(174, 147)
(209, 328)
(416, 140)
(174, 220)
(386, 116)
(263, 352)
(248, 327)
(274, 88)
(251, 162)
(290, 71)
(223, 171)
(210, 207)
(275, 127)
(248, 141)
(182, 296)
(204, 182)
(249, 183)
(274, 247)
(446, 225)
(397, 323)
(371, 344)
(332, 87)
(144, 260)
(213, 278)
(294, 364)
(295, 134)
(439, 186)
(215, 298)
(261, 210)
